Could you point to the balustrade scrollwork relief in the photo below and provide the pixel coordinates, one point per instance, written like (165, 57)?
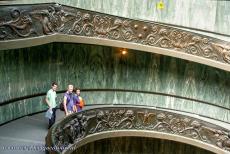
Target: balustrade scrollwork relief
(78, 126)
(48, 19)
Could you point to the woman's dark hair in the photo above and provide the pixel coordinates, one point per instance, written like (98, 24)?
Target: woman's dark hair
(75, 90)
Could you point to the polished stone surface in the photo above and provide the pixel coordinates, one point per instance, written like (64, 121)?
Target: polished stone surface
(31, 70)
(27, 133)
(138, 145)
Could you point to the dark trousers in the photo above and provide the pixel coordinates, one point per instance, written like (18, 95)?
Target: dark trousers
(52, 120)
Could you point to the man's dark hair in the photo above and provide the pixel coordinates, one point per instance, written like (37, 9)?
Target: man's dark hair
(54, 83)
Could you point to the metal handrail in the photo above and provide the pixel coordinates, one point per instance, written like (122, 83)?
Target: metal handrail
(115, 90)
(107, 121)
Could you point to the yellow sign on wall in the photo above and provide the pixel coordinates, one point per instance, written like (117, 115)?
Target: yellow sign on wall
(160, 5)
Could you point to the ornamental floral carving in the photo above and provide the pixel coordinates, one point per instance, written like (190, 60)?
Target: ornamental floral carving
(223, 51)
(109, 120)
(48, 19)
(172, 38)
(75, 128)
(181, 126)
(52, 19)
(71, 132)
(20, 25)
(221, 137)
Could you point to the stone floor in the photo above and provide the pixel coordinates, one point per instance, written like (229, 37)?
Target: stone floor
(25, 135)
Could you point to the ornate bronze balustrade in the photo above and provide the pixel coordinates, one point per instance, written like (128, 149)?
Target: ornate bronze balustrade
(27, 25)
(105, 122)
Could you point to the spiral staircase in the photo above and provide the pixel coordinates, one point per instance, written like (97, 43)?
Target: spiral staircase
(171, 89)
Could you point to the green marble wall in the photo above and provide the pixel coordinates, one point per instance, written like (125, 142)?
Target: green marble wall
(138, 145)
(31, 70)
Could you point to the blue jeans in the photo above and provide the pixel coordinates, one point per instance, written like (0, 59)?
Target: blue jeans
(52, 120)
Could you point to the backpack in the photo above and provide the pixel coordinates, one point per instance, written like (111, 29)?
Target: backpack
(61, 105)
(82, 103)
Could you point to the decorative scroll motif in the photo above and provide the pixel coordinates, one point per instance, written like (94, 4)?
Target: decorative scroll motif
(107, 120)
(222, 138)
(180, 40)
(224, 51)
(52, 19)
(47, 19)
(80, 125)
(102, 26)
(172, 124)
(20, 25)
(71, 132)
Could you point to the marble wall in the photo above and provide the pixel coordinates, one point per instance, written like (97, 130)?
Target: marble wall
(31, 70)
(211, 15)
(138, 145)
